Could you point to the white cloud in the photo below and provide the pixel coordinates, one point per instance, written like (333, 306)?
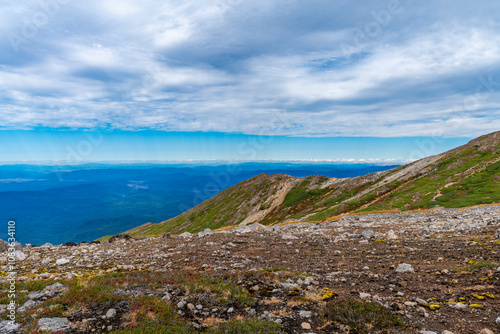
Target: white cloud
(255, 67)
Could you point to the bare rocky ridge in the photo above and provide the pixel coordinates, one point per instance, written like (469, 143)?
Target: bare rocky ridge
(438, 270)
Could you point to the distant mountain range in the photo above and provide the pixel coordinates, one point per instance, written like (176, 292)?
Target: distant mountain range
(465, 176)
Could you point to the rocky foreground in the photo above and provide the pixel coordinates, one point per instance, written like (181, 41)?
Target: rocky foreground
(434, 271)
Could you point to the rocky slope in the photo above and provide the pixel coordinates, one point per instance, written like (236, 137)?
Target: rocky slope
(435, 271)
(465, 176)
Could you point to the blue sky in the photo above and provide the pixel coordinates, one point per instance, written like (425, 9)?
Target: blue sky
(212, 74)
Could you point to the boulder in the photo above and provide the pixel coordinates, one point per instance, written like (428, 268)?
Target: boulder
(70, 244)
(53, 324)
(62, 261)
(405, 268)
(4, 245)
(256, 227)
(367, 234)
(119, 237)
(6, 327)
(20, 256)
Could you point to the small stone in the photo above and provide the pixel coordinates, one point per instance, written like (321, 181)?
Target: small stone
(305, 314)
(460, 306)
(363, 295)
(367, 234)
(28, 304)
(391, 236)
(230, 310)
(306, 325)
(405, 268)
(446, 332)
(498, 321)
(190, 306)
(111, 313)
(421, 302)
(486, 331)
(62, 261)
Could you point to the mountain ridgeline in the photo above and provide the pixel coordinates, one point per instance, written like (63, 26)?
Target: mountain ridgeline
(465, 176)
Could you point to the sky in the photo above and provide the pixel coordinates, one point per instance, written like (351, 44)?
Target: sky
(193, 79)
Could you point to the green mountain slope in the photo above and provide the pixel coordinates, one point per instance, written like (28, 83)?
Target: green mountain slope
(465, 176)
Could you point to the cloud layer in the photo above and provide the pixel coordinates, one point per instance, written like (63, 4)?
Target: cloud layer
(321, 68)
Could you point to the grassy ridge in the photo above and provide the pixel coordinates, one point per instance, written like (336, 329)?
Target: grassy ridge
(466, 176)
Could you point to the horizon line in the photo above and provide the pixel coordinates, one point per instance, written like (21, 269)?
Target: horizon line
(211, 161)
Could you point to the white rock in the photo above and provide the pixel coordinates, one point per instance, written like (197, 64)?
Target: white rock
(305, 314)
(391, 236)
(20, 256)
(257, 227)
(111, 313)
(405, 268)
(53, 324)
(62, 261)
(367, 234)
(288, 237)
(363, 295)
(7, 327)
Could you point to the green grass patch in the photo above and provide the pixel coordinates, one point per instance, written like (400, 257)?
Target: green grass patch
(222, 290)
(363, 317)
(480, 265)
(247, 326)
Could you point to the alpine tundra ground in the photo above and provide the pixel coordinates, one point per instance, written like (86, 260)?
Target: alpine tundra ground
(409, 272)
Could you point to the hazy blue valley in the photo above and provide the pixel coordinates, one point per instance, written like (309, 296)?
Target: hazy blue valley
(59, 204)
